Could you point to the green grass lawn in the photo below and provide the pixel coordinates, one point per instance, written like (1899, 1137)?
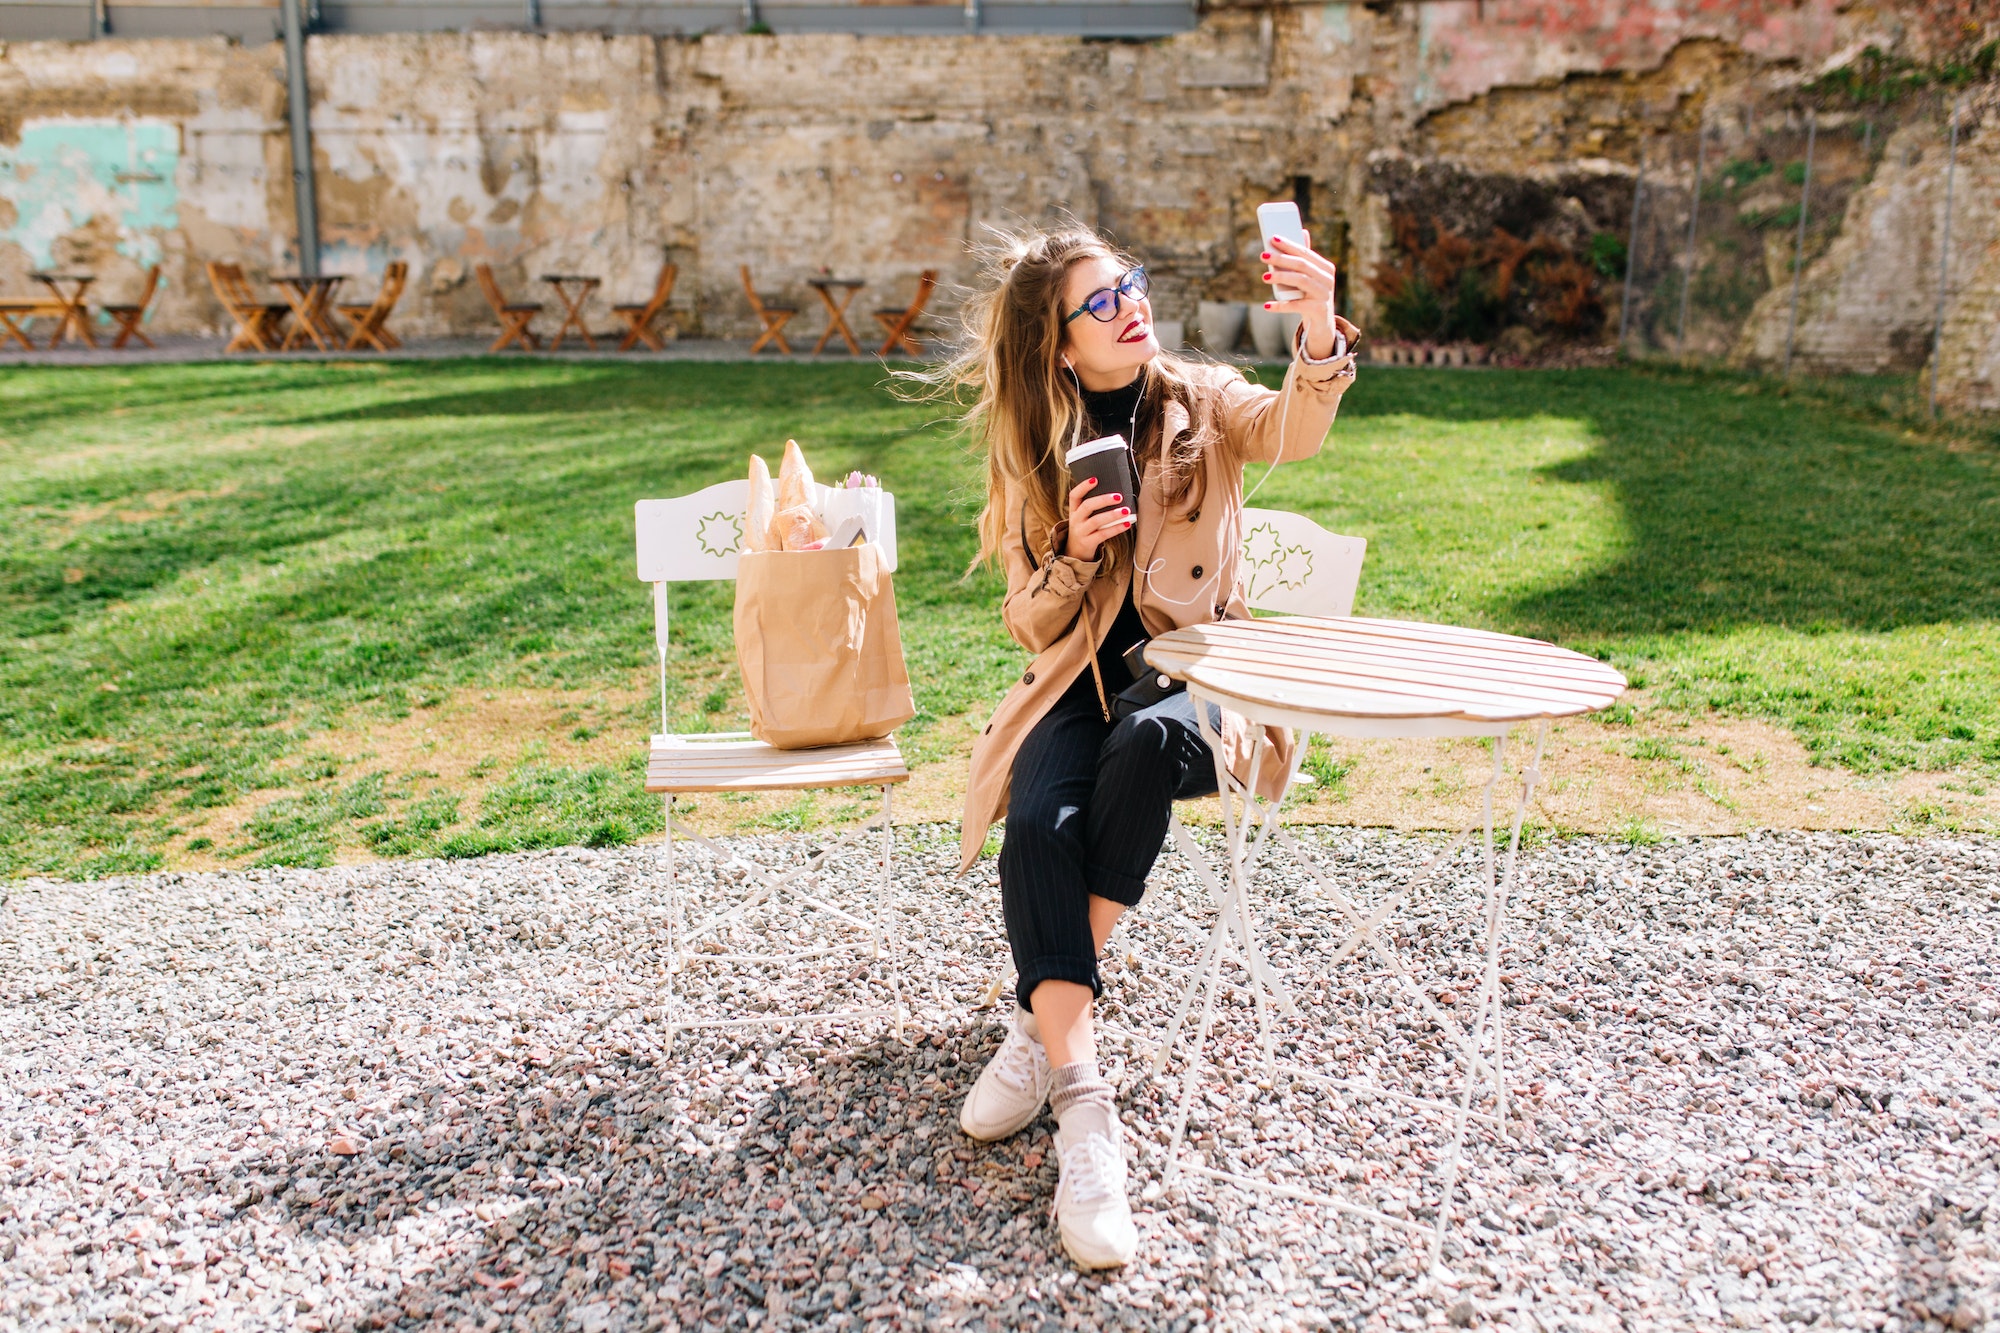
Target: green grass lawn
(203, 569)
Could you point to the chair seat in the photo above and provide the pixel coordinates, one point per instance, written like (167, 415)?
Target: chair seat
(736, 761)
(770, 309)
(125, 308)
(632, 309)
(511, 306)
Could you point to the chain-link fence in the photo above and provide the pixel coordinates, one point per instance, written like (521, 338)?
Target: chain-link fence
(1726, 220)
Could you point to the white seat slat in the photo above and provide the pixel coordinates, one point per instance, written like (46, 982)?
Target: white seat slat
(693, 764)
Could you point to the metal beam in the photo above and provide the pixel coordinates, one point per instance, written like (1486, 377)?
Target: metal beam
(304, 196)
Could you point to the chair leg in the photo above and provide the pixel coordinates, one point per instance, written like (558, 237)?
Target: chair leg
(128, 329)
(673, 920)
(774, 326)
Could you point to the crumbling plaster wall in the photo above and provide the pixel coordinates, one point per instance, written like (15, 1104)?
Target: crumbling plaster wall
(1869, 304)
(870, 157)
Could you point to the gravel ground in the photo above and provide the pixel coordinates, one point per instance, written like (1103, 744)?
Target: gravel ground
(1756, 1081)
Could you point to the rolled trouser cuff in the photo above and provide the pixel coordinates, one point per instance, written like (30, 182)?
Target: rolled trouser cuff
(1118, 886)
(1083, 971)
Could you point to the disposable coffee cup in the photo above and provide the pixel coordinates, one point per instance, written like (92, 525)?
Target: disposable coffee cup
(1110, 462)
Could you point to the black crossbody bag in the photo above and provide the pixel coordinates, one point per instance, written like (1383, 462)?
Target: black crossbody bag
(1149, 685)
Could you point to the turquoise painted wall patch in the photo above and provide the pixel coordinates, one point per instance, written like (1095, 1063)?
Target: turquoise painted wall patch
(63, 173)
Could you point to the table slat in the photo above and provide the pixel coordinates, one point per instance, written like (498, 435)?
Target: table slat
(1363, 667)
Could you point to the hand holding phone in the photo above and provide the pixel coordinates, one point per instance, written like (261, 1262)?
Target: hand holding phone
(1281, 219)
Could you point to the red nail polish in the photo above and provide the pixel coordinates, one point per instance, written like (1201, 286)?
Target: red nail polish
(1091, 482)
(1124, 511)
(1265, 255)
(1267, 305)
(1116, 496)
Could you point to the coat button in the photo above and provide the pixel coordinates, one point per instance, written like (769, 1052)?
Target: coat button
(1197, 571)
(1028, 679)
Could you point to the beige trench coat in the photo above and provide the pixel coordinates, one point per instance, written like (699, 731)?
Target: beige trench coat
(1060, 609)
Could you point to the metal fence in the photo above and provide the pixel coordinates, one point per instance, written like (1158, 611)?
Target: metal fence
(1726, 219)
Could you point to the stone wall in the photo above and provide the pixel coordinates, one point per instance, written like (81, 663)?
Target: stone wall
(1869, 304)
(870, 157)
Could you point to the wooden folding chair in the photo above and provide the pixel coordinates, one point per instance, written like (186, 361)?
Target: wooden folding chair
(696, 538)
(515, 316)
(16, 313)
(371, 320)
(639, 318)
(127, 317)
(902, 324)
(774, 316)
(258, 323)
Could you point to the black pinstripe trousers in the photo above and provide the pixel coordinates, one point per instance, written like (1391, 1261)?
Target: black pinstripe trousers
(1087, 814)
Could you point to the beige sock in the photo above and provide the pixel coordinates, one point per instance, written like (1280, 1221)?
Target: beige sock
(1080, 1087)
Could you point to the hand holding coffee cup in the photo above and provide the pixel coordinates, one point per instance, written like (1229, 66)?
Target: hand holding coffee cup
(1100, 505)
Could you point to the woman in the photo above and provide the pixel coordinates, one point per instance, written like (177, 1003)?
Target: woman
(1064, 353)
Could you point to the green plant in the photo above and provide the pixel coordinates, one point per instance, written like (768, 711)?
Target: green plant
(1607, 254)
(1638, 832)
(1881, 78)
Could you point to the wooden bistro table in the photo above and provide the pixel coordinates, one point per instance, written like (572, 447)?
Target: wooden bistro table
(1365, 679)
(836, 310)
(310, 295)
(582, 286)
(73, 315)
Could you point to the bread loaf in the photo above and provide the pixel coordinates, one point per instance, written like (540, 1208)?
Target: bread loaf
(796, 528)
(763, 504)
(795, 479)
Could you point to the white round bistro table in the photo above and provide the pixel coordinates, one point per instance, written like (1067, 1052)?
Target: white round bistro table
(1364, 679)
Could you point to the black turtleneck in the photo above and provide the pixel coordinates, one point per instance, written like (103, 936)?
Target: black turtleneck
(1112, 413)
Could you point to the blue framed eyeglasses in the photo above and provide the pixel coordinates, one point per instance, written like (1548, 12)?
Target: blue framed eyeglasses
(1103, 304)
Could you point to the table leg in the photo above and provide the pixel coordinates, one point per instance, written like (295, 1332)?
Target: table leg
(303, 324)
(1234, 934)
(14, 331)
(574, 319)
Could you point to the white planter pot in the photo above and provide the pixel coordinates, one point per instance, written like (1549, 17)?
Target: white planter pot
(1219, 325)
(1272, 333)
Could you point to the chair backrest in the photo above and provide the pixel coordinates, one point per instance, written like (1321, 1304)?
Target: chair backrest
(152, 285)
(750, 291)
(394, 275)
(1294, 566)
(926, 284)
(491, 287)
(662, 289)
(231, 287)
(693, 537)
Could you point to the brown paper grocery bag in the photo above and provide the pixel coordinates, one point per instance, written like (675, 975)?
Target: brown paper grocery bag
(821, 653)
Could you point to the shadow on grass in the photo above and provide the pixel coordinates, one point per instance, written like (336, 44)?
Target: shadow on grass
(1742, 506)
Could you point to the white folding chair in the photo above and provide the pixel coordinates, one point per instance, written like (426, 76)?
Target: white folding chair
(696, 538)
(1292, 566)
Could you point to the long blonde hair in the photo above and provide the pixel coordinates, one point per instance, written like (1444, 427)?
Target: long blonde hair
(1027, 411)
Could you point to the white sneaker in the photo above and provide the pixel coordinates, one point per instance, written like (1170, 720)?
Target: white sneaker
(1012, 1088)
(1093, 1215)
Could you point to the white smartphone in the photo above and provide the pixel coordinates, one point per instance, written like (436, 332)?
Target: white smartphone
(1281, 220)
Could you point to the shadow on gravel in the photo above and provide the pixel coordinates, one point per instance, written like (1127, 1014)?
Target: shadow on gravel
(847, 1193)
